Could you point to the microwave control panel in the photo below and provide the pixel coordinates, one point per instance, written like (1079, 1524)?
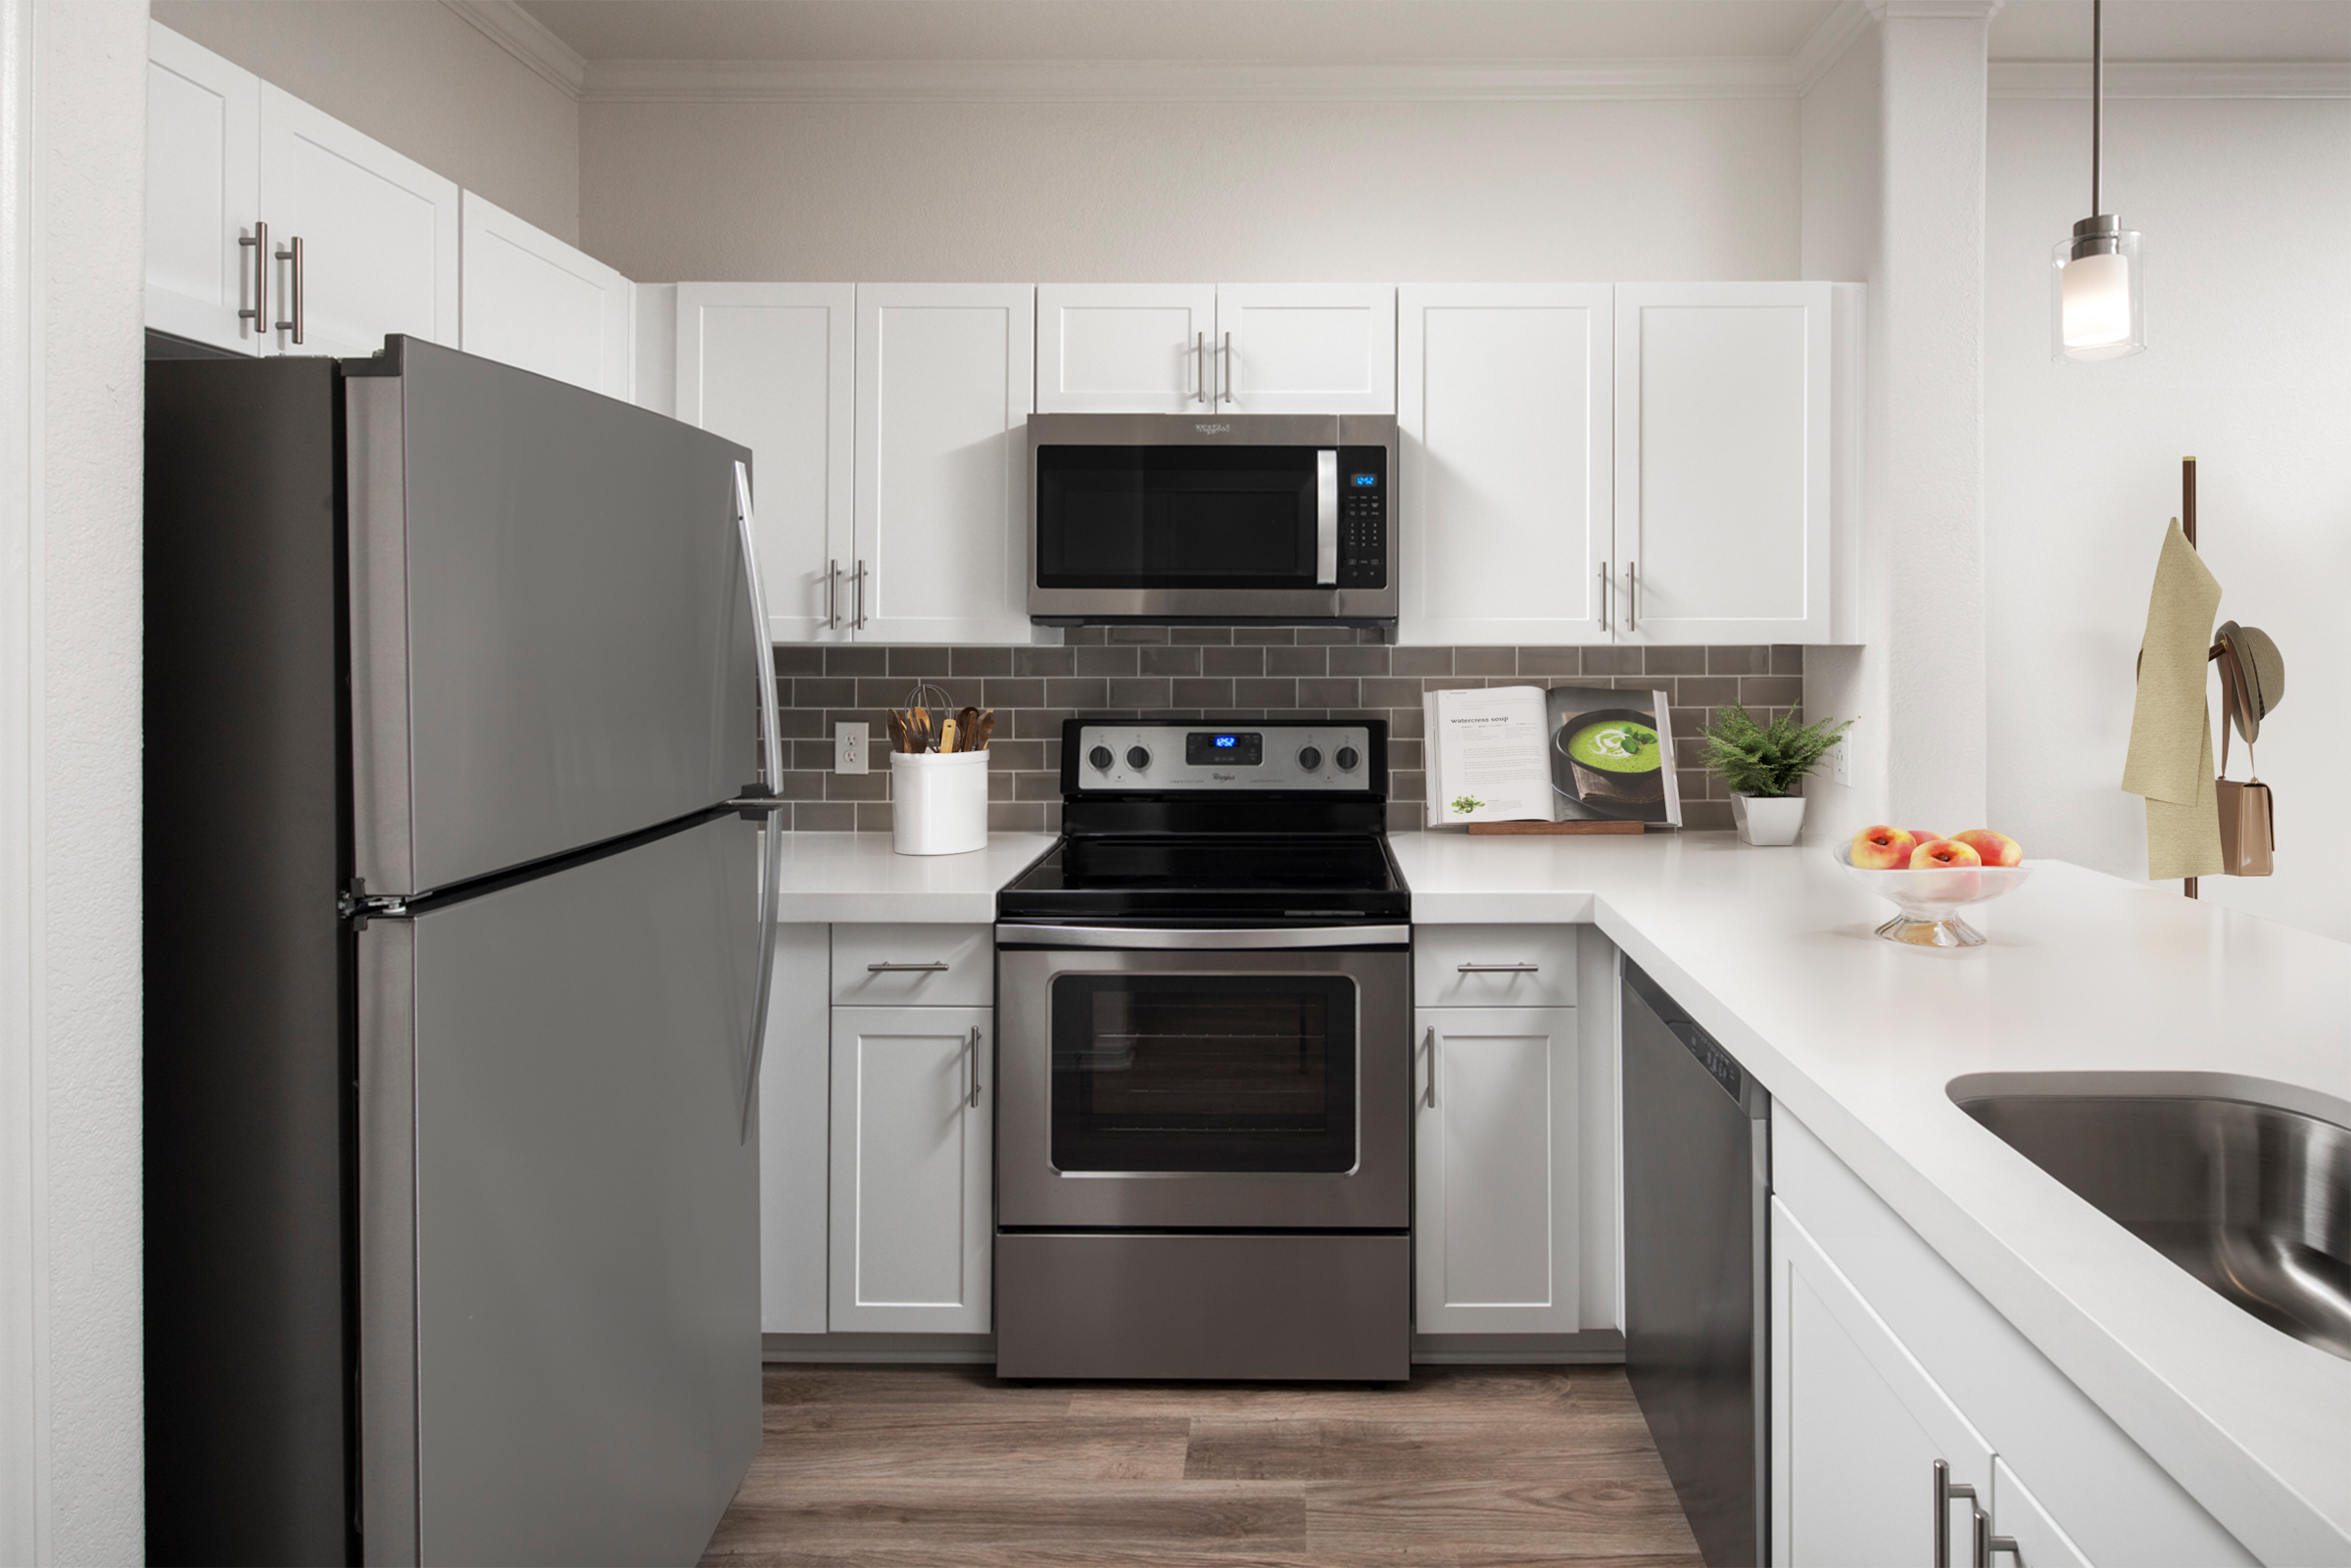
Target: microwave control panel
(1363, 517)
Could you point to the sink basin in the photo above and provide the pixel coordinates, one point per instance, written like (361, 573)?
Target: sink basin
(2252, 1199)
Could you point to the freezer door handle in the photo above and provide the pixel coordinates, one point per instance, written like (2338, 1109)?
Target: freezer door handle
(771, 756)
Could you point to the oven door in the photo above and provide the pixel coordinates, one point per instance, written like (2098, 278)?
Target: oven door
(1209, 1089)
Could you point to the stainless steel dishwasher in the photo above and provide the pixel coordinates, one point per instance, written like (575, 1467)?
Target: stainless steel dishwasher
(1697, 1215)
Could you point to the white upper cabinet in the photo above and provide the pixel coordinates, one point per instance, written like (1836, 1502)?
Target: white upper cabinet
(380, 235)
(945, 376)
(772, 366)
(529, 300)
(1495, 1172)
(1117, 348)
(1504, 402)
(204, 176)
(1723, 462)
(1305, 347)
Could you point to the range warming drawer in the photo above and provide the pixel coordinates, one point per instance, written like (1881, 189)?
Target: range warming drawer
(1109, 1305)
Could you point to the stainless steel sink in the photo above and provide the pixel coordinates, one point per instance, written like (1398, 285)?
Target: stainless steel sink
(2252, 1199)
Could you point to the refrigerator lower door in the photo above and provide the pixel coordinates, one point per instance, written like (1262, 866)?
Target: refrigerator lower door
(560, 1292)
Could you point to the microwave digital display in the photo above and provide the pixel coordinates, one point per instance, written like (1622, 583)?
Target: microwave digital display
(1365, 481)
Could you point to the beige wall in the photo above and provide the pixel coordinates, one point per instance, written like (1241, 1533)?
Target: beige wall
(417, 77)
(2246, 208)
(1152, 192)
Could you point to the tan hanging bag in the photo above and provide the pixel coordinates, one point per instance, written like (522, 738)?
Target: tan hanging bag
(2249, 814)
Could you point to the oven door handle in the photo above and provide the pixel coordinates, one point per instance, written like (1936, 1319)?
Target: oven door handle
(1326, 518)
(1280, 937)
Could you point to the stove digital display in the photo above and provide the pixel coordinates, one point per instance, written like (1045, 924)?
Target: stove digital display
(1226, 748)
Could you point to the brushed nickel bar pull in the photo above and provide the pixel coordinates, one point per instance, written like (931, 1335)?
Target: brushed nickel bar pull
(973, 1056)
(1946, 1490)
(1225, 386)
(1603, 596)
(1499, 969)
(294, 255)
(832, 596)
(258, 239)
(1632, 595)
(857, 621)
(1432, 1066)
(1200, 368)
(906, 969)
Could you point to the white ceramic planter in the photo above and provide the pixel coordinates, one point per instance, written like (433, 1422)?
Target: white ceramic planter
(1767, 819)
(938, 802)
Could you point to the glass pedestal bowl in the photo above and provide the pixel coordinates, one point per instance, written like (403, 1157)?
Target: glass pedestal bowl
(1929, 901)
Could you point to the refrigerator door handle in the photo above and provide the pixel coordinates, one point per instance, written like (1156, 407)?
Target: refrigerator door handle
(771, 756)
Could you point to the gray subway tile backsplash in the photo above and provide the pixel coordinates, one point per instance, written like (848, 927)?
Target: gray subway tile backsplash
(1187, 673)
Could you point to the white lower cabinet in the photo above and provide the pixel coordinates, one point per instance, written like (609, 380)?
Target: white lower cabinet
(1885, 1360)
(912, 1159)
(1495, 1172)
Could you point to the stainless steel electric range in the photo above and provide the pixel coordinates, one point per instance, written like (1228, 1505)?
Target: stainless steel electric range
(1204, 1162)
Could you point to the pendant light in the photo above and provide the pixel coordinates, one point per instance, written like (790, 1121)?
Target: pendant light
(2097, 299)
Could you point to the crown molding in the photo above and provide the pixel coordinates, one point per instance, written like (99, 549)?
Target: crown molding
(2187, 78)
(524, 36)
(713, 81)
(1937, 9)
(1827, 43)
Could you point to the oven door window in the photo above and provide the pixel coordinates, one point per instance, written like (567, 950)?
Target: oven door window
(1198, 1072)
(1175, 517)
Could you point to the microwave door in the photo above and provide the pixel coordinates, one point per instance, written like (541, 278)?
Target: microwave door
(1162, 519)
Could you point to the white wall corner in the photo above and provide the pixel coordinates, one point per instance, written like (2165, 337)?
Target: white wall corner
(1827, 43)
(524, 36)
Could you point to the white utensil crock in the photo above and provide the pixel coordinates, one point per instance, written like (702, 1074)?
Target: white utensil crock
(1767, 819)
(938, 802)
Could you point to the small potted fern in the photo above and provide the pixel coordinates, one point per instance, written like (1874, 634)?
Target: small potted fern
(1765, 766)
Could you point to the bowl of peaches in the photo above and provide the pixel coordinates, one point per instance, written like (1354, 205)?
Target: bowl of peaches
(1931, 878)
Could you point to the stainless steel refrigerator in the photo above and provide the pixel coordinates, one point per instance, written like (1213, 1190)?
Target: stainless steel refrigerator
(459, 899)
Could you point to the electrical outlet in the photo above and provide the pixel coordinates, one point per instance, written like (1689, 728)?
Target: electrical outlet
(1841, 764)
(848, 747)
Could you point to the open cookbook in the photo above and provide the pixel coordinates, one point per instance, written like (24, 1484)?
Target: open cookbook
(1521, 753)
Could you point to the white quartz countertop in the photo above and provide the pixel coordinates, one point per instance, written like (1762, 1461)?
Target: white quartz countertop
(1771, 950)
(856, 878)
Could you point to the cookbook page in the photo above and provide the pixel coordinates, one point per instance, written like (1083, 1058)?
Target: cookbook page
(1490, 747)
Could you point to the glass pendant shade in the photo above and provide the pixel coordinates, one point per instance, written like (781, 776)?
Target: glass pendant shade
(2097, 303)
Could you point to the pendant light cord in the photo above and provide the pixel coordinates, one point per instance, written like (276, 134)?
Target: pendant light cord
(2097, 96)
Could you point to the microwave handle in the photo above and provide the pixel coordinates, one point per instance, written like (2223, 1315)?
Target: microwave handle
(1326, 519)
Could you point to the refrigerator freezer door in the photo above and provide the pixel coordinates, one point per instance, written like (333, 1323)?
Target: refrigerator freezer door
(559, 1214)
(551, 639)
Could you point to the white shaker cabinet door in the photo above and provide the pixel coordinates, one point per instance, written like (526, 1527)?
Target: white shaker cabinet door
(772, 366)
(1495, 1169)
(1119, 348)
(531, 301)
(794, 1124)
(1305, 348)
(912, 1156)
(203, 152)
(379, 234)
(946, 373)
(1857, 1425)
(1723, 462)
(1505, 405)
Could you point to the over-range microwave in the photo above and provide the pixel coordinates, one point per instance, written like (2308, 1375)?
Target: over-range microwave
(1218, 518)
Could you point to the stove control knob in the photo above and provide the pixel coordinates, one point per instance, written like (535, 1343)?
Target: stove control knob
(1347, 759)
(1310, 759)
(1137, 758)
(1101, 758)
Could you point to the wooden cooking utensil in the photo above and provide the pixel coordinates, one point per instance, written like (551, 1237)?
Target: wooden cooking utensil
(947, 735)
(983, 727)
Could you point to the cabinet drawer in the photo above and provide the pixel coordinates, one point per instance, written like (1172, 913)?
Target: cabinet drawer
(1493, 965)
(914, 965)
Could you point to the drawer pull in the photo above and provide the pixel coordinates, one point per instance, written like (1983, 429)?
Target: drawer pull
(1501, 969)
(906, 969)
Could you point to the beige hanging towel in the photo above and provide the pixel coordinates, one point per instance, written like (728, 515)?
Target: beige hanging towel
(2171, 727)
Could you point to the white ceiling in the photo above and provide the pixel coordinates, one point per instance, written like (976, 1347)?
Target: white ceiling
(1364, 32)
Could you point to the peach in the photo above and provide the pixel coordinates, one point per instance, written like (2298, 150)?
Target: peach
(1882, 848)
(1994, 849)
(1941, 854)
(1923, 837)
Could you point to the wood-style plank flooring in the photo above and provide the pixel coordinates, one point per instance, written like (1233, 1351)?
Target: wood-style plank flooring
(896, 1466)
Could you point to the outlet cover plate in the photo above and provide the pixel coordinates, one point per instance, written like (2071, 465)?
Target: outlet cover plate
(848, 747)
